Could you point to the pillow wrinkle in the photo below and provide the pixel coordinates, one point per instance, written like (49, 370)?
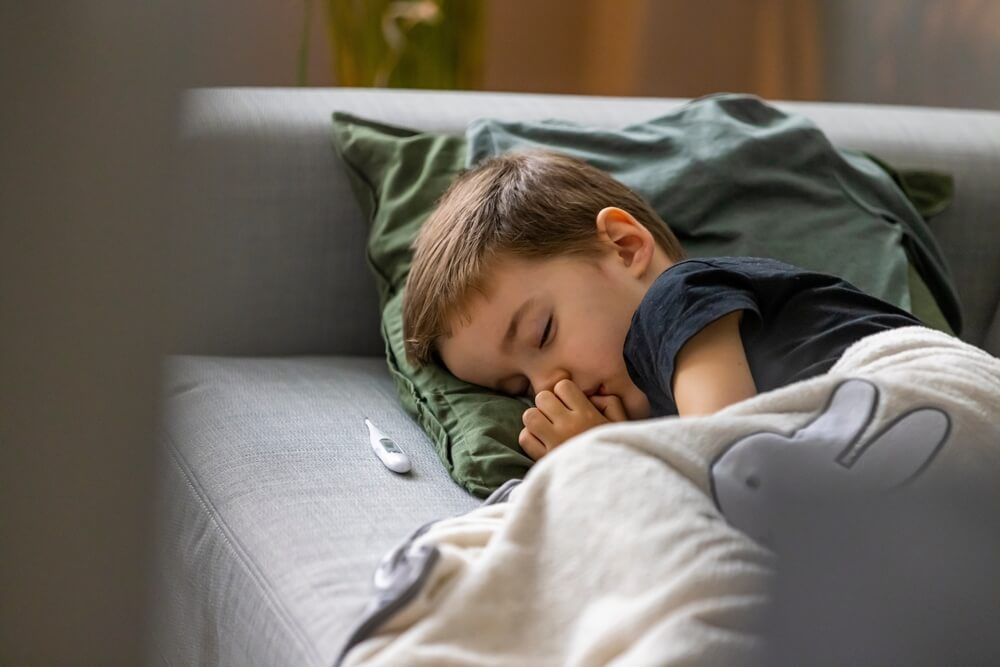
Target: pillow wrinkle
(720, 170)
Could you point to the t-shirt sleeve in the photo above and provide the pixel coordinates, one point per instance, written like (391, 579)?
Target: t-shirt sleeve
(681, 302)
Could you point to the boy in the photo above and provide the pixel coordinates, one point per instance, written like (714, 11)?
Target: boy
(538, 274)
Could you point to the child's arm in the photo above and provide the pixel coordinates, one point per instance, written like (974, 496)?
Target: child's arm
(711, 370)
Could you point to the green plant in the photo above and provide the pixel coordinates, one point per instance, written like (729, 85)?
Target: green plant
(402, 43)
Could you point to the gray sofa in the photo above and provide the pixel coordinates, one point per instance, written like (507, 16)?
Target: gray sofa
(274, 510)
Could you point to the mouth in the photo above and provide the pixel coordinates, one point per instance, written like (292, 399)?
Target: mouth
(600, 391)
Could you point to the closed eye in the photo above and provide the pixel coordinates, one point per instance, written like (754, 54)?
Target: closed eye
(527, 391)
(545, 334)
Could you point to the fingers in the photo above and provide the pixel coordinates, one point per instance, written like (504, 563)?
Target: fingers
(563, 413)
(539, 425)
(565, 396)
(571, 395)
(549, 405)
(611, 407)
(531, 445)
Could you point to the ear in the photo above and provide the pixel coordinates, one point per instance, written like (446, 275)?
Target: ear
(627, 237)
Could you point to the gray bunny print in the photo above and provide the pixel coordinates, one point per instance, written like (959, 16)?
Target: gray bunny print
(763, 478)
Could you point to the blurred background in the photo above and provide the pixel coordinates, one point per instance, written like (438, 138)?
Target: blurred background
(88, 217)
(919, 52)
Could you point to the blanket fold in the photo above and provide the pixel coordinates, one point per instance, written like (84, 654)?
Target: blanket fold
(653, 542)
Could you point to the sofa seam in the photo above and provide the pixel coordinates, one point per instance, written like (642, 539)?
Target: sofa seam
(250, 566)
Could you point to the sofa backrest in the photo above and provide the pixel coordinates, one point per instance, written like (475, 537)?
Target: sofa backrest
(274, 242)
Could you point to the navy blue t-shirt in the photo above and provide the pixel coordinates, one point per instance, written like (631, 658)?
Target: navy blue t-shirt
(795, 323)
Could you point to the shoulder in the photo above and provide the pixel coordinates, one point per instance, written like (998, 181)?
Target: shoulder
(749, 265)
(691, 278)
(691, 290)
(731, 264)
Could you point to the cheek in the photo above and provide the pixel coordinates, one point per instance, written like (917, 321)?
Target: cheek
(599, 350)
(594, 343)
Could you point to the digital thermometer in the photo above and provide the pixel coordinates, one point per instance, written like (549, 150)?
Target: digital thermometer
(386, 450)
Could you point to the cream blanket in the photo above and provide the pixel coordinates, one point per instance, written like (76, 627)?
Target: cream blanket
(630, 544)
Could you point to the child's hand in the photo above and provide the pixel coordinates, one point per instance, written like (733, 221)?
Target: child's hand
(559, 416)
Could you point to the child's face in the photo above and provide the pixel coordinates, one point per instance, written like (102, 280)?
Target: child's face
(590, 309)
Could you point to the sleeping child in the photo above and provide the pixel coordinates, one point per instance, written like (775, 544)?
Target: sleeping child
(538, 275)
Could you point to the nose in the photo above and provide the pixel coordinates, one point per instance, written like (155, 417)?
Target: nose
(547, 381)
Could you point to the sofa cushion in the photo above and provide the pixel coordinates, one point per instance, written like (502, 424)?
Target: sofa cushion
(275, 509)
(398, 174)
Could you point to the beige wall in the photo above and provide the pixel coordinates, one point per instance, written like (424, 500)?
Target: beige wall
(920, 52)
(533, 46)
(654, 47)
(933, 52)
(610, 47)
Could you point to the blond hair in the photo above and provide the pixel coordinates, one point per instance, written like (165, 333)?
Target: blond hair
(534, 204)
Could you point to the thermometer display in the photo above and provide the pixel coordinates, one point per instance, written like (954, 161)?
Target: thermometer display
(387, 451)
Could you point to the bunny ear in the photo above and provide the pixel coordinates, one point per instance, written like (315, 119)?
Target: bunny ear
(903, 449)
(841, 423)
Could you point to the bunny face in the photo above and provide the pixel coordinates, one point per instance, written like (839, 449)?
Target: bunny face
(762, 479)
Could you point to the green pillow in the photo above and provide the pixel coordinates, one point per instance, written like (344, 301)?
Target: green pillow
(733, 175)
(397, 175)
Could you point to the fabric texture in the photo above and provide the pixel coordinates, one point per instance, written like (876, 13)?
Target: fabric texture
(733, 175)
(273, 507)
(278, 228)
(398, 174)
(651, 542)
(794, 324)
(285, 240)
